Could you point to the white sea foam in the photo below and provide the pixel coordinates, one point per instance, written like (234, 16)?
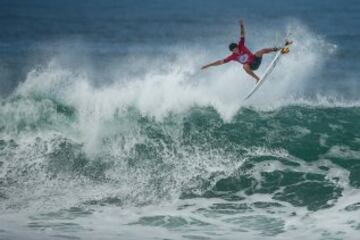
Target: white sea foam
(174, 85)
(169, 87)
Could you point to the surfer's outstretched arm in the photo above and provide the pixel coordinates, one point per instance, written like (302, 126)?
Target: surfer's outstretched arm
(242, 29)
(216, 63)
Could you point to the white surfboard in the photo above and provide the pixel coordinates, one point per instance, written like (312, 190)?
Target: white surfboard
(267, 72)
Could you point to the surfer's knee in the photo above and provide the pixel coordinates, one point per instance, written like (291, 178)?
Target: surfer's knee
(247, 67)
(260, 53)
(263, 51)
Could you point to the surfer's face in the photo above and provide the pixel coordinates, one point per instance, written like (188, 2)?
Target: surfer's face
(235, 50)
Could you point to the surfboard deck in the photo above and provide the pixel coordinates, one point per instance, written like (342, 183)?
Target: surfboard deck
(268, 70)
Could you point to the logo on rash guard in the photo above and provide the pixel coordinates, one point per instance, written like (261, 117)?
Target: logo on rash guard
(243, 58)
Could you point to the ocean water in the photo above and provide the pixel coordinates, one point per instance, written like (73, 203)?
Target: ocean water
(110, 130)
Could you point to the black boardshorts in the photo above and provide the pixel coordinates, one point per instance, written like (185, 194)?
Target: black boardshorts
(256, 63)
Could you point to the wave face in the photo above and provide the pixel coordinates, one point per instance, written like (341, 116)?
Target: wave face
(265, 171)
(109, 130)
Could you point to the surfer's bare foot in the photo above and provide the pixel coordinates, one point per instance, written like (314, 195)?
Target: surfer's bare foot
(287, 42)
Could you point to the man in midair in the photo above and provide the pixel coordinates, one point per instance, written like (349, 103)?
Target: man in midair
(243, 55)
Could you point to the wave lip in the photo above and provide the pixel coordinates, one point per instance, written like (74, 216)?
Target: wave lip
(171, 135)
(285, 153)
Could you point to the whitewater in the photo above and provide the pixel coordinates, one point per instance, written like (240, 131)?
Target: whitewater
(99, 141)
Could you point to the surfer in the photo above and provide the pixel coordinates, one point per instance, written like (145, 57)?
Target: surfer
(243, 55)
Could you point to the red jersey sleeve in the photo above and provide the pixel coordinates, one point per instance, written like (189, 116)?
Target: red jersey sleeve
(242, 42)
(230, 58)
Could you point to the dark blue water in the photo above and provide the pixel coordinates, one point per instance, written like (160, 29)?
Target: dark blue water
(33, 31)
(110, 130)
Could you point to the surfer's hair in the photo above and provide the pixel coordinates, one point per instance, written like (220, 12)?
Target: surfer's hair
(232, 46)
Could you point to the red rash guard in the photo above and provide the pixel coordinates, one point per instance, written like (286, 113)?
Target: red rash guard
(244, 56)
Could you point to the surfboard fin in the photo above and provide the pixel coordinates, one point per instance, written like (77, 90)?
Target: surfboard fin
(285, 50)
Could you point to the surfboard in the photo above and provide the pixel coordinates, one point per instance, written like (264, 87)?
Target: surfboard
(267, 72)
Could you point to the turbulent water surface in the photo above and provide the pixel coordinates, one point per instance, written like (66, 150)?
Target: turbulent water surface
(109, 130)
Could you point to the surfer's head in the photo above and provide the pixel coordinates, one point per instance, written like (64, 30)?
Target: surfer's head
(233, 47)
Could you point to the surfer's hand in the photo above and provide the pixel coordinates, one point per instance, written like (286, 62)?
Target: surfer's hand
(241, 22)
(203, 67)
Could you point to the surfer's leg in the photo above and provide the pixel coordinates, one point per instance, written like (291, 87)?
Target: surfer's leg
(247, 69)
(263, 51)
